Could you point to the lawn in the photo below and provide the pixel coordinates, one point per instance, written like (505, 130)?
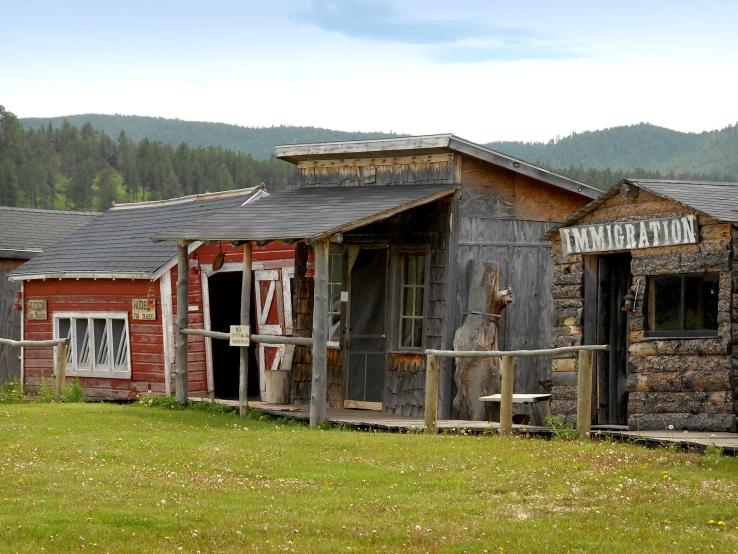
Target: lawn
(111, 478)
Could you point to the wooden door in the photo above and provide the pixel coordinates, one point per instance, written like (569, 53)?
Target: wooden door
(273, 317)
(367, 339)
(614, 280)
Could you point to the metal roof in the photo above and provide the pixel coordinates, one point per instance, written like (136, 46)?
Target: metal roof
(118, 241)
(428, 144)
(715, 199)
(308, 213)
(25, 232)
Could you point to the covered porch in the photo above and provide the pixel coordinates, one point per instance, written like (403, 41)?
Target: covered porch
(322, 220)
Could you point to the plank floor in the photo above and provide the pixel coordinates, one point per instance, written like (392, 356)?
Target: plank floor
(369, 419)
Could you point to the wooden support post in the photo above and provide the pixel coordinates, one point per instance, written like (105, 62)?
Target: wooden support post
(61, 368)
(432, 383)
(584, 393)
(319, 388)
(243, 374)
(507, 377)
(183, 292)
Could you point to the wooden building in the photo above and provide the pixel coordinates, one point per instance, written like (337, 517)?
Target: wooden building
(650, 269)
(111, 291)
(24, 233)
(399, 222)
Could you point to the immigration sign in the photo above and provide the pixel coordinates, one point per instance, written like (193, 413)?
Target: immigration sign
(629, 235)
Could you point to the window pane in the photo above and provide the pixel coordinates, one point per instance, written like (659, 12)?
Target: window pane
(334, 332)
(336, 267)
(418, 335)
(408, 277)
(82, 343)
(120, 342)
(700, 302)
(420, 270)
(407, 331)
(102, 348)
(65, 331)
(419, 301)
(407, 301)
(667, 293)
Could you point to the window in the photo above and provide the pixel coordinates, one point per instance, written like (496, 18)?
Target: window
(335, 282)
(98, 343)
(412, 294)
(683, 305)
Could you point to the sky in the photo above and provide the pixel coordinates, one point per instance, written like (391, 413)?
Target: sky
(485, 70)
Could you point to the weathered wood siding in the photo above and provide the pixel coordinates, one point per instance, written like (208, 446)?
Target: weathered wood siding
(687, 383)
(10, 322)
(502, 217)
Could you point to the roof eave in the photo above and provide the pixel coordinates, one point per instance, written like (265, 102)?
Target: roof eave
(80, 275)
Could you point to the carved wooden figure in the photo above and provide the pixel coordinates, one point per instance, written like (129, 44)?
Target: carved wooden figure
(475, 377)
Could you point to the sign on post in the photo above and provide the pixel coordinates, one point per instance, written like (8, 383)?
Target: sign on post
(240, 335)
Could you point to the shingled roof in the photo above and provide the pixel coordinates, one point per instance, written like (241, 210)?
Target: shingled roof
(25, 232)
(308, 213)
(117, 243)
(715, 199)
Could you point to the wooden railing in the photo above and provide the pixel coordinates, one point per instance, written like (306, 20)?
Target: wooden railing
(507, 378)
(61, 356)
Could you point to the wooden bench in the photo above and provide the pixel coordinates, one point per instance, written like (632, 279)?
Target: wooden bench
(523, 399)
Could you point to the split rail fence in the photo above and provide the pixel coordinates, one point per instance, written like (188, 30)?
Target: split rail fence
(507, 378)
(60, 368)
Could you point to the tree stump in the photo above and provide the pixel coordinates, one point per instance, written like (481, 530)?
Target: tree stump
(475, 377)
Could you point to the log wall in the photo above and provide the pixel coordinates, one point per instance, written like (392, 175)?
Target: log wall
(687, 383)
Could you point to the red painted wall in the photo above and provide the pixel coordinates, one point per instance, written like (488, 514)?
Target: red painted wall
(146, 337)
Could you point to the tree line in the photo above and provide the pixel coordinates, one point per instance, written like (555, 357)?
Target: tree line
(84, 169)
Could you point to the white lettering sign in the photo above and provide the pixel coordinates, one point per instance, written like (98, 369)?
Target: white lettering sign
(240, 335)
(629, 235)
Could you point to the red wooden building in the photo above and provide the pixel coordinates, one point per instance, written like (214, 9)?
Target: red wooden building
(112, 292)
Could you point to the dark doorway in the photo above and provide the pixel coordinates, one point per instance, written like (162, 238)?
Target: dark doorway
(613, 282)
(367, 337)
(225, 310)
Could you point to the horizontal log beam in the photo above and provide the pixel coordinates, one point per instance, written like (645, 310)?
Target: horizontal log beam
(516, 353)
(32, 343)
(261, 339)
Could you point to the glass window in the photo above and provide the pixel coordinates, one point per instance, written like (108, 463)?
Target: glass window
(683, 305)
(335, 284)
(97, 345)
(412, 300)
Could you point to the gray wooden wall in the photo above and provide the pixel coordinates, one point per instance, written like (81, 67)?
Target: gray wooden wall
(525, 265)
(10, 322)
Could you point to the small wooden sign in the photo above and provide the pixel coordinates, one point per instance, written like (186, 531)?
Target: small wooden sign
(240, 335)
(143, 309)
(36, 309)
(629, 235)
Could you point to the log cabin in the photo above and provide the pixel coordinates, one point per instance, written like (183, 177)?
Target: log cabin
(650, 269)
(111, 291)
(24, 233)
(386, 232)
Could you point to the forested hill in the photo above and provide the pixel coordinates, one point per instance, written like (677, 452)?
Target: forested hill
(83, 168)
(259, 142)
(648, 147)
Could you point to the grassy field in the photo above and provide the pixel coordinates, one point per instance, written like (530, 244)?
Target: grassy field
(111, 478)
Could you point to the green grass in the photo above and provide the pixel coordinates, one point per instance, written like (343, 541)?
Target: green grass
(113, 478)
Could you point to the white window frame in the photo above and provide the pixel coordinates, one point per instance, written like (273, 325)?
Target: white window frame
(115, 372)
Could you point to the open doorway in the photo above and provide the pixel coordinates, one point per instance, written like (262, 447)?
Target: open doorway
(225, 310)
(613, 281)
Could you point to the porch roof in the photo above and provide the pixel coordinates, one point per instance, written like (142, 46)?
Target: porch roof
(308, 213)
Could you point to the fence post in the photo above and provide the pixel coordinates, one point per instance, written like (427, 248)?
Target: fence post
(507, 377)
(61, 368)
(432, 380)
(584, 393)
